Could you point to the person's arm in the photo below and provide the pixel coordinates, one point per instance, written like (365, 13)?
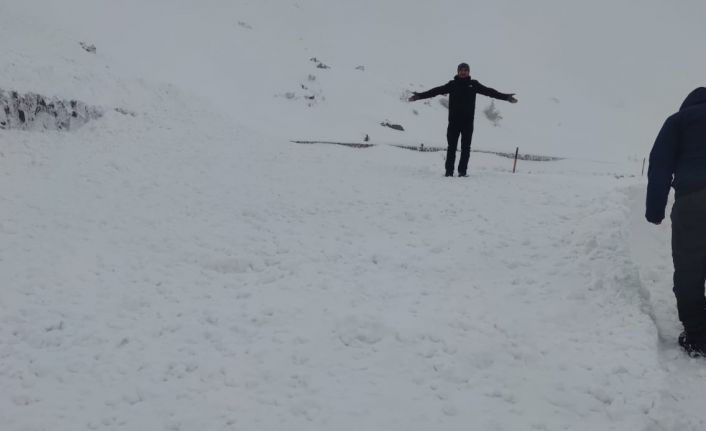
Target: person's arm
(495, 94)
(443, 89)
(661, 171)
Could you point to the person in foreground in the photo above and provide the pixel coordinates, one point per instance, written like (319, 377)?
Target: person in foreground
(462, 92)
(678, 160)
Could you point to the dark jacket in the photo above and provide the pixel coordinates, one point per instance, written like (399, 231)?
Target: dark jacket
(678, 157)
(462, 97)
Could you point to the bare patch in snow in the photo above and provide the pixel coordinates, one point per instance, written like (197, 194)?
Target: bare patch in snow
(35, 112)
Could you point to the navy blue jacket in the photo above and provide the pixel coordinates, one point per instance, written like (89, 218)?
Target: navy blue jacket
(678, 157)
(462, 97)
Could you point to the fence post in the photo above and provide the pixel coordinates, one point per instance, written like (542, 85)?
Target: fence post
(514, 165)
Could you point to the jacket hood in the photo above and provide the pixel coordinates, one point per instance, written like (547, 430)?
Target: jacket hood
(696, 97)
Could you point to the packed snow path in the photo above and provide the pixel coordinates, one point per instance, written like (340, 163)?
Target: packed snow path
(173, 275)
(683, 392)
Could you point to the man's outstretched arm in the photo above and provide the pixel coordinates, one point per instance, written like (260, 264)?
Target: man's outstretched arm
(495, 94)
(443, 89)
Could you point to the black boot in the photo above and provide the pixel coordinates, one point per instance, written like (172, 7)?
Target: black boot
(693, 343)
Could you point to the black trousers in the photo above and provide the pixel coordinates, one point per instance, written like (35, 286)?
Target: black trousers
(465, 130)
(689, 255)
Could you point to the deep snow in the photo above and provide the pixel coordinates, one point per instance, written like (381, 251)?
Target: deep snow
(179, 264)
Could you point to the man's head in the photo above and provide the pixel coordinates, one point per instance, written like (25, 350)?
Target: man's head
(463, 70)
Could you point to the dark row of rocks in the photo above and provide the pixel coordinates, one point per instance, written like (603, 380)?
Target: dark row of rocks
(32, 111)
(528, 157)
(424, 148)
(392, 126)
(88, 48)
(345, 144)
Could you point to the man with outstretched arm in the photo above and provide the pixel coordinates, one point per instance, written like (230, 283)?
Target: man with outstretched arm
(678, 160)
(462, 92)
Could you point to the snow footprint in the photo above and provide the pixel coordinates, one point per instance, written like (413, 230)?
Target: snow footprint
(354, 331)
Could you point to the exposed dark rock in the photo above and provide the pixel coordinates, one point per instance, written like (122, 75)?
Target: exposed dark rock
(392, 126)
(530, 157)
(319, 64)
(88, 48)
(125, 112)
(35, 112)
(429, 149)
(345, 144)
(421, 148)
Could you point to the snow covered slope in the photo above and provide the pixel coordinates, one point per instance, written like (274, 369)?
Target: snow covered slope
(594, 79)
(178, 264)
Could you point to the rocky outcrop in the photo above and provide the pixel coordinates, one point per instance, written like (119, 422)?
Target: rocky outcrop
(32, 111)
(88, 48)
(392, 126)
